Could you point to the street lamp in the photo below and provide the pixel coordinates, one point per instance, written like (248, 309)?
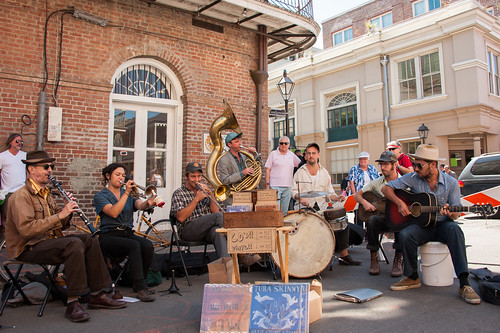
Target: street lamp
(423, 132)
(286, 87)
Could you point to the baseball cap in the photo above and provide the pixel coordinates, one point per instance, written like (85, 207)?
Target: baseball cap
(231, 136)
(387, 156)
(193, 167)
(363, 154)
(393, 144)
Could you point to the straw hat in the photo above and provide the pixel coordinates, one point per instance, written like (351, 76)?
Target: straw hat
(427, 153)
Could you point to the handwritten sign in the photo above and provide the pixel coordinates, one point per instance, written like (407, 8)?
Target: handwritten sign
(251, 240)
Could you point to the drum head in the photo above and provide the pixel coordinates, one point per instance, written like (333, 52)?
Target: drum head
(311, 246)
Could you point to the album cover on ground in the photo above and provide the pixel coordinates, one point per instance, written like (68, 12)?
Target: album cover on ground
(358, 295)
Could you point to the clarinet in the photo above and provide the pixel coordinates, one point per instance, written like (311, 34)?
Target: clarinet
(80, 213)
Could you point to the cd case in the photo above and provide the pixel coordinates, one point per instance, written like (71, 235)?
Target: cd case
(358, 295)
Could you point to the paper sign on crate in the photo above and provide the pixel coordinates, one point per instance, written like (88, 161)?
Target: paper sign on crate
(251, 240)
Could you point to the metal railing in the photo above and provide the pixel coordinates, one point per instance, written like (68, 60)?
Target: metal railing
(300, 7)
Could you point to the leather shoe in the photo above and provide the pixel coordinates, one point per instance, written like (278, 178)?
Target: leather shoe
(348, 261)
(105, 301)
(76, 313)
(145, 295)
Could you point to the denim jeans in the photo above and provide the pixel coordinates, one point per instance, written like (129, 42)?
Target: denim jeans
(374, 226)
(284, 196)
(448, 233)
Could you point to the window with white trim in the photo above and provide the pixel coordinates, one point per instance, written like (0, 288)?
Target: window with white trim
(382, 21)
(423, 6)
(493, 73)
(341, 161)
(342, 36)
(419, 77)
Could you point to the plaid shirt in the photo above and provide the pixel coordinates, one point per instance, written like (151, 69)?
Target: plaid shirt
(183, 197)
(357, 175)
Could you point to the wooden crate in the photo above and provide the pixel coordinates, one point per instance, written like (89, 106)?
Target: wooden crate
(253, 219)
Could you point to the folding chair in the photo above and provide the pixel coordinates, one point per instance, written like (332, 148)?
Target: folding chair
(175, 240)
(382, 248)
(14, 278)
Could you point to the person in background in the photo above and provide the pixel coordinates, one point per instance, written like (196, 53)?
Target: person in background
(279, 172)
(12, 170)
(344, 186)
(441, 167)
(299, 154)
(450, 172)
(116, 208)
(33, 234)
(360, 175)
(404, 164)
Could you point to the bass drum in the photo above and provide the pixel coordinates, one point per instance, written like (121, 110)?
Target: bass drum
(311, 247)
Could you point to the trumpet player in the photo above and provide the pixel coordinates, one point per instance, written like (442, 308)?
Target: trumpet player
(116, 207)
(33, 235)
(195, 210)
(232, 168)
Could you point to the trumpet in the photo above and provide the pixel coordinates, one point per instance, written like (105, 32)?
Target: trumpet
(149, 192)
(210, 197)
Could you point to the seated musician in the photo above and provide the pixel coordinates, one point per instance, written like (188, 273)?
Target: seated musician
(116, 207)
(313, 177)
(427, 178)
(376, 223)
(33, 234)
(198, 215)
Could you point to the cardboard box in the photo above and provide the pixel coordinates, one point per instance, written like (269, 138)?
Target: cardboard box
(267, 195)
(253, 219)
(318, 288)
(221, 271)
(242, 198)
(315, 307)
(266, 206)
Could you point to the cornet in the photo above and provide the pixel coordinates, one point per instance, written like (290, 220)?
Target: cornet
(149, 192)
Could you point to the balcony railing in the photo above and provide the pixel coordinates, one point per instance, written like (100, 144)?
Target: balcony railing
(300, 7)
(342, 133)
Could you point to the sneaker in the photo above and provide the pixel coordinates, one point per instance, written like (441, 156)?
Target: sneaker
(406, 283)
(348, 261)
(469, 295)
(145, 295)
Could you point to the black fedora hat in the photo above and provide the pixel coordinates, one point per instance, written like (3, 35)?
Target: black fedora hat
(37, 156)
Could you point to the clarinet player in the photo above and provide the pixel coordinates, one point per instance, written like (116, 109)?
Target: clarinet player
(34, 234)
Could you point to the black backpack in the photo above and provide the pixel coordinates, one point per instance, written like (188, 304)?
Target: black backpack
(489, 285)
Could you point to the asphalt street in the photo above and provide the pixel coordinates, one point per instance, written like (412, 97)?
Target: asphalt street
(427, 309)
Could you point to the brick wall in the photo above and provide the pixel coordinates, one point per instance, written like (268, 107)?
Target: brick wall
(401, 10)
(211, 67)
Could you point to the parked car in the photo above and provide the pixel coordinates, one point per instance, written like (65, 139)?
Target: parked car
(481, 173)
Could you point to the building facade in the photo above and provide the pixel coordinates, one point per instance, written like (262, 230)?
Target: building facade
(391, 66)
(137, 82)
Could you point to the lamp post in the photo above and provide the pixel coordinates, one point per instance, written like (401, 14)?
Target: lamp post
(423, 132)
(285, 87)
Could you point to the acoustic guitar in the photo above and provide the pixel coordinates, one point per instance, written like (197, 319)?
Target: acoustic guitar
(424, 209)
(376, 200)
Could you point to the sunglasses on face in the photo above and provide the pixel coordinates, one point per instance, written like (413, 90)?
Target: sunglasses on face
(420, 165)
(19, 141)
(391, 149)
(46, 166)
(284, 143)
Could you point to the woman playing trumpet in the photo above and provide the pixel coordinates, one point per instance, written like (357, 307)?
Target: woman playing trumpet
(117, 239)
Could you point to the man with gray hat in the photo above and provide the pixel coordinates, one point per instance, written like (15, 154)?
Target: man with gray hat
(376, 223)
(195, 210)
(427, 178)
(232, 168)
(33, 234)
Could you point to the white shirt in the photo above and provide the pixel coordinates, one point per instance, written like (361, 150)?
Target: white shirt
(13, 170)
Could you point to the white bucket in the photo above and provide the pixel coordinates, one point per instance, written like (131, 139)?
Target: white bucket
(435, 264)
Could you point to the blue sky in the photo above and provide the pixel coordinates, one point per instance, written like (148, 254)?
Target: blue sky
(324, 9)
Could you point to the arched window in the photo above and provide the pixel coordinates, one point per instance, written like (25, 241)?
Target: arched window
(143, 80)
(342, 117)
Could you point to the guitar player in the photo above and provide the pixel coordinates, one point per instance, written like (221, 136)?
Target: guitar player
(428, 179)
(376, 223)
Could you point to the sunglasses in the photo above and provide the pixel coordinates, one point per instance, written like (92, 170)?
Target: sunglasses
(19, 141)
(420, 165)
(284, 143)
(391, 149)
(46, 166)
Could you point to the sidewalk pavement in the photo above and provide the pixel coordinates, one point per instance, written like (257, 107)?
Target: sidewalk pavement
(427, 309)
